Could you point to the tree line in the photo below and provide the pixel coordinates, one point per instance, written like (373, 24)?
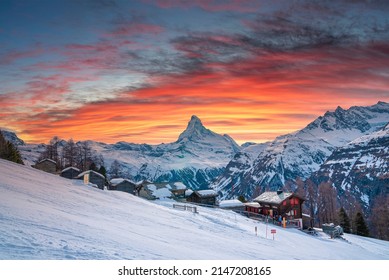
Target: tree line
(325, 205)
(80, 155)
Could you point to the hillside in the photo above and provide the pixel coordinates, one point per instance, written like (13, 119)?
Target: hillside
(43, 216)
(301, 153)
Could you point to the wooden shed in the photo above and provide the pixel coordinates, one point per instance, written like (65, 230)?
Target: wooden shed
(92, 177)
(124, 185)
(178, 189)
(207, 197)
(47, 165)
(279, 203)
(70, 172)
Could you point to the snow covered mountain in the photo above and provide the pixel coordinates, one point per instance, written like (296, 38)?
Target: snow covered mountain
(301, 153)
(360, 167)
(44, 216)
(197, 157)
(11, 137)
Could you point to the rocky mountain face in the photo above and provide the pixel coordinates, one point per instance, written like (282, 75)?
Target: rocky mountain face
(12, 137)
(360, 167)
(298, 154)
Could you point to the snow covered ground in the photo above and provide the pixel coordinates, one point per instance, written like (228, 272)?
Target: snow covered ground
(43, 216)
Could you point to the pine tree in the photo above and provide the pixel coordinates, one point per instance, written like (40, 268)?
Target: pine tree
(8, 151)
(242, 199)
(344, 221)
(360, 225)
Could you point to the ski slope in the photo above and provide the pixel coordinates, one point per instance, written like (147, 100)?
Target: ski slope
(44, 216)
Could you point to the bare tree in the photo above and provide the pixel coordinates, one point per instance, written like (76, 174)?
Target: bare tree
(380, 217)
(116, 169)
(326, 203)
(70, 152)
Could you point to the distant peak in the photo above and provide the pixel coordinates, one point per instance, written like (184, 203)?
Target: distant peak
(195, 119)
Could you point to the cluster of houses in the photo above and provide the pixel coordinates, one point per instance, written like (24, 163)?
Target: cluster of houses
(278, 206)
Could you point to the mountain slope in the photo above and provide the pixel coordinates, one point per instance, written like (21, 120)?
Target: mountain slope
(44, 216)
(301, 153)
(360, 167)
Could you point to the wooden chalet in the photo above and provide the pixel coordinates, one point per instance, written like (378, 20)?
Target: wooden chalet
(92, 177)
(178, 189)
(253, 207)
(70, 172)
(279, 203)
(124, 185)
(154, 191)
(207, 197)
(47, 165)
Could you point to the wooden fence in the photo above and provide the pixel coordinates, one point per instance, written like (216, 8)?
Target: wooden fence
(192, 209)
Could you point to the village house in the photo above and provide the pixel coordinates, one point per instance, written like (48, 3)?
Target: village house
(70, 172)
(233, 204)
(252, 207)
(154, 191)
(124, 185)
(92, 177)
(207, 197)
(178, 189)
(47, 165)
(279, 203)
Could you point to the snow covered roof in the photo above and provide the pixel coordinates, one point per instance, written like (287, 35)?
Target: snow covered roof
(273, 197)
(159, 192)
(70, 167)
(230, 203)
(90, 171)
(188, 192)
(117, 181)
(253, 204)
(206, 193)
(177, 186)
(47, 159)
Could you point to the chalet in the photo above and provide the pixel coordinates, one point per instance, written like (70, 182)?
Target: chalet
(47, 165)
(70, 172)
(233, 204)
(207, 197)
(178, 189)
(279, 203)
(92, 177)
(154, 191)
(253, 207)
(124, 185)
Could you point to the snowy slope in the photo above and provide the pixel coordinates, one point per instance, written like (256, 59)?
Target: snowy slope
(301, 153)
(360, 167)
(43, 216)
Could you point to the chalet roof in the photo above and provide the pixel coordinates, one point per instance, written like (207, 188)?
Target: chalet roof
(274, 197)
(230, 203)
(253, 204)
(206, 193)
(89, 171)
(188, 192)
(116, 181)
(176, 186)
(47, 159)
(69, 168)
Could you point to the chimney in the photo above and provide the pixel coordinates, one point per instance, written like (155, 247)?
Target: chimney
(279, 191)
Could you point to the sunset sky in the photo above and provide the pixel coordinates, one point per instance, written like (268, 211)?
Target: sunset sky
(137, 71)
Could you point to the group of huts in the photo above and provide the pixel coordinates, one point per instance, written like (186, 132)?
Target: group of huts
(278, 206)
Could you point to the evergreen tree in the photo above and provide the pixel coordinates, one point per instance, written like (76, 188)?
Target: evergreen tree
(242, 199)
(360, 225)
(103, 172)
(8, 151)
(344, 221)
(93, 166)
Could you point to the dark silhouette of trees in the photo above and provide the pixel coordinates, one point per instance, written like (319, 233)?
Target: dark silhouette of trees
(8, 151)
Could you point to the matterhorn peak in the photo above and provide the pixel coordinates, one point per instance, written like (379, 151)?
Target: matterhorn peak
(194, 130)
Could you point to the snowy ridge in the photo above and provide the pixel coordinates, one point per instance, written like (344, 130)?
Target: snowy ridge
(301, 153)
(360, 167)
(44, 216)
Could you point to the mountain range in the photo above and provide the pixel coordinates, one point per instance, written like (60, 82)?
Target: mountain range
(340, 146)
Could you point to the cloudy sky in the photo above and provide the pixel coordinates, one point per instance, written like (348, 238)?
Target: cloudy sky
(136, 71)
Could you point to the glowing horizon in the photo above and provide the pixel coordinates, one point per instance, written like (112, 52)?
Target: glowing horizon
(114, 71)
